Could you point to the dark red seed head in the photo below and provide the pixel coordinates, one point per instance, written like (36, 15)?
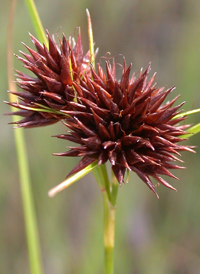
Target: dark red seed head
(127, 123)
(55, 69)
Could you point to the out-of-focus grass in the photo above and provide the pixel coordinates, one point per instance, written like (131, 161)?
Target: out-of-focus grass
(152, 236)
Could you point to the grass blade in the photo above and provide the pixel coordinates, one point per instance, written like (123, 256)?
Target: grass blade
(36, 21)
(91, 40)
(182, 114)
(52, 192)
(25, 183)
(192, 131)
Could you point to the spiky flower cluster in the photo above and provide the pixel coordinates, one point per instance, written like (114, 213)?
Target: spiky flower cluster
(125, 122)
(55, 69)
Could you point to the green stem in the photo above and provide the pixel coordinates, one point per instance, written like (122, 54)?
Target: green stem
(101, 176)
(109, 191)
(109, 233)
(114, 190)
(27, 198)
(36, 21)
(28, 205)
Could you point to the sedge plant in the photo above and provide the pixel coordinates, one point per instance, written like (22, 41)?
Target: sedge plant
(122, 121)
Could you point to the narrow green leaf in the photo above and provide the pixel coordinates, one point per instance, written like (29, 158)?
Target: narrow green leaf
(72, 179)
(115, 188)
(42, 109)
(192, 131)
(106, 179)
(91, 40)
(101, 176)
(36, 21)
(187, 113)
(25, 182)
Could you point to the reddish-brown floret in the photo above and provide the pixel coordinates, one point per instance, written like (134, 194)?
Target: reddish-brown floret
(55, 70)
(125, 122)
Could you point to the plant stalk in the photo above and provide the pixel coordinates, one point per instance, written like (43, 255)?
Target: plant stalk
(36, 21)
(25, 182)
(109, 234)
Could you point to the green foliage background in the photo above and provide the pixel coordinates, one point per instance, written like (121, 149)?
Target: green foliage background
(152, 236)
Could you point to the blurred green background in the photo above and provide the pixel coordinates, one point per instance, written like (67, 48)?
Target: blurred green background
(152, 236)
